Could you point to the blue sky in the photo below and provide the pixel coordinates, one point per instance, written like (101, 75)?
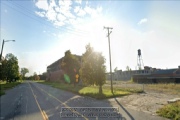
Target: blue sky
(44, 30)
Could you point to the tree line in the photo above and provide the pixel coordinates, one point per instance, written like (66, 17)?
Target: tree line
(35, 76)
(10, 70)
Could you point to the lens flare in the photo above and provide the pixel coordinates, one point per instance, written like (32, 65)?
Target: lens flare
(67, 79)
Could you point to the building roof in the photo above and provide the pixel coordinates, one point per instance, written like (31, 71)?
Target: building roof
(56, 63)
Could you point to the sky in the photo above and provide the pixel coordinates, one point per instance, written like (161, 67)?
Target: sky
(45, 29)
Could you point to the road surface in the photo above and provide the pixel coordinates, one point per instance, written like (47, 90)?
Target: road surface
(34, 101)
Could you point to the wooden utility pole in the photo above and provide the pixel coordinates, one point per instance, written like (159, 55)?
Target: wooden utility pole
(108, 35)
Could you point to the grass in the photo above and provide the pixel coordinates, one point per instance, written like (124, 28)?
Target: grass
(168, 88)
(92, 91)
(39, 81)
(171, 111)
(5, 86)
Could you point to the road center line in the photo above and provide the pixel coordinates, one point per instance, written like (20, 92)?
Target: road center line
(62, 103)
(42, 113)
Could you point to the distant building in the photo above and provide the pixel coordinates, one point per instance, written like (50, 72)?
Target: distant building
(159, 76)
(127, 75)
(55, 72)
(147, 75)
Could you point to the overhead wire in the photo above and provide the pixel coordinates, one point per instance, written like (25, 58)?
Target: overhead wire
(67, 31)
(30, 11)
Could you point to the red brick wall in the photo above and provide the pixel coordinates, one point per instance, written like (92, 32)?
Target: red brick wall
(55, 76)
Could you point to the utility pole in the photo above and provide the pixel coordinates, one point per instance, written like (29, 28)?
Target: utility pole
(108, 35)
(1, 50)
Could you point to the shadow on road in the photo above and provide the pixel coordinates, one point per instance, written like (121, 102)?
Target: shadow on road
(123, 108)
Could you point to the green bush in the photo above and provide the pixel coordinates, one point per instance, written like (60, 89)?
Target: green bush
(171, 111)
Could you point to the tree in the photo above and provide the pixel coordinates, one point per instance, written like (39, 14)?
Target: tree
(93, 69)
(36, 77)
(31, 77)
(115, 69)
(43, 76)
(24, 71)
(71, 66)
(3, 70)
(128, 68)
(12, 68)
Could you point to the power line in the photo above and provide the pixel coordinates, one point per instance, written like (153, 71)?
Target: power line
(29, 11)
(63, 29)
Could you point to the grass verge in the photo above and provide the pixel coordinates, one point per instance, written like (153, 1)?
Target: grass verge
(93, 91)
(5, 86)
(171, 111)
(38, 81)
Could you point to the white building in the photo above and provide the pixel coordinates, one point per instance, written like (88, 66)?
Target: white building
(126, 75)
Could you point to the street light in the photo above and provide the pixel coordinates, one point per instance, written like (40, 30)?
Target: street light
(3, 46)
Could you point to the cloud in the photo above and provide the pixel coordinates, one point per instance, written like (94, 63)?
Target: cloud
(42, 4)
(41, 14)
(144, 20)
(51, 14)
(81, 12)
(93, 12)
(77, 8)
(64, 6)
(52, 4)
(88, 10)
(78, 1)
(59, 23)
(66, 12)
(61, 17)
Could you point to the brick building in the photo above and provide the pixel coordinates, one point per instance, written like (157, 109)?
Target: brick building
(55, 72)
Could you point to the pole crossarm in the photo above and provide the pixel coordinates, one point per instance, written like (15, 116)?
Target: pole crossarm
(9, 40)
(108, 28)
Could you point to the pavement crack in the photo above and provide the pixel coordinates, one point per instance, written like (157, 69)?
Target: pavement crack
(17, 109)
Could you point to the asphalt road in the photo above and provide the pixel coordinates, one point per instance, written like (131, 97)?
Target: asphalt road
(34, 101)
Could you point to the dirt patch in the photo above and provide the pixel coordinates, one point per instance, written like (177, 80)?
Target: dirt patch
(149, 102)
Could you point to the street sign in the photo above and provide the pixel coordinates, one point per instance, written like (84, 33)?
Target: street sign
(77, 76)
